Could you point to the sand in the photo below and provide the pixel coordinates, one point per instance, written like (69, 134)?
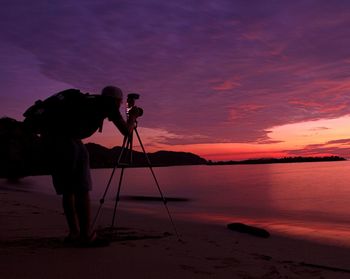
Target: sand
(33, 228)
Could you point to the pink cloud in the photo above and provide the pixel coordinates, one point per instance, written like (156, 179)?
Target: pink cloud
(226, 85)
(340, 147)
(320, 151)
(269, 141)
(319, 129)
(339, 141)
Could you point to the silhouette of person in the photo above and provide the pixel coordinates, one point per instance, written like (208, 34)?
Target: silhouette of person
(13, 148)
(69, 159)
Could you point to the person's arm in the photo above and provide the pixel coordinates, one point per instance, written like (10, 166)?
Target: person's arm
(124, 127)
(114, 115)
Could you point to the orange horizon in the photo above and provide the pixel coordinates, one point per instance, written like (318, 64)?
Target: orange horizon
(324, 137)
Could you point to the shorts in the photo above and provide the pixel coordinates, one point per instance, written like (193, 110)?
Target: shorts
(70, 166)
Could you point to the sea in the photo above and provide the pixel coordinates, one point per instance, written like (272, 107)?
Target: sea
(301, 200)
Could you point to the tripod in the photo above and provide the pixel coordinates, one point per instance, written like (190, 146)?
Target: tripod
(128, 145)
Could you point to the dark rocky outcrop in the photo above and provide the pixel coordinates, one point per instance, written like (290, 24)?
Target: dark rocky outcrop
(243, 228)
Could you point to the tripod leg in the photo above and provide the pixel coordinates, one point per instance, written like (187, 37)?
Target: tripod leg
(156, 181)
(102, 200)
(117, 197)
(128, 147)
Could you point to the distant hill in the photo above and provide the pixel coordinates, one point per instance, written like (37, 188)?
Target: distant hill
(102, 157)
(298, 159)
(22, 153)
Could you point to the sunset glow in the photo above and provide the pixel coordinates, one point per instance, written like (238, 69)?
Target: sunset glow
(227, 80)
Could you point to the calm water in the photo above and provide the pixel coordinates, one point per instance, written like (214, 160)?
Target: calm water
(309, 200)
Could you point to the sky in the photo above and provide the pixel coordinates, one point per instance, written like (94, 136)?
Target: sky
(227, 80)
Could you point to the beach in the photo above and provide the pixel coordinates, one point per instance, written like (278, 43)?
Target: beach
(144, 246)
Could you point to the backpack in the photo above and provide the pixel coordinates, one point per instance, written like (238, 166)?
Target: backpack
(54, 114)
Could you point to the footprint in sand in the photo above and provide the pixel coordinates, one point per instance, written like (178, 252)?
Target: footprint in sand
(194, 269)
(224, 262)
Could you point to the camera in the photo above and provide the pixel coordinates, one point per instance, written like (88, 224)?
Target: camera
(131, 109)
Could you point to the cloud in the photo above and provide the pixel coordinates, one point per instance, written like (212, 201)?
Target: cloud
(269, 141)
(321, 151)
(319, 129)
(339, 147)
(225, 70)
(161, 137)
(341, 141)
(226, 85)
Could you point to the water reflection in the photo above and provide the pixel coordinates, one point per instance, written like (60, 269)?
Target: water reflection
(298, 199)
(304, 199)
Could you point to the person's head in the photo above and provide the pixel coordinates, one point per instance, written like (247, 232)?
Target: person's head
(114, 92)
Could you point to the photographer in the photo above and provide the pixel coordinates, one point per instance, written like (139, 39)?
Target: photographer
(69, 159)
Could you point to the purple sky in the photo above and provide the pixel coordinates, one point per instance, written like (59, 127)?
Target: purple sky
(208, 71)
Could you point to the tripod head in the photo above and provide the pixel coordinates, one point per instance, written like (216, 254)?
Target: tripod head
(131, 99)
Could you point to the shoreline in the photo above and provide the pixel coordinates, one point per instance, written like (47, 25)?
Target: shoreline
(258, 161)
(33, 228)
(316, 231)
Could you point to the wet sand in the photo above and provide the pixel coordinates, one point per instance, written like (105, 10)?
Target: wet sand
(33, 228)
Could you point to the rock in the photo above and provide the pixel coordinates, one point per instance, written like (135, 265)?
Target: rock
(243, 228)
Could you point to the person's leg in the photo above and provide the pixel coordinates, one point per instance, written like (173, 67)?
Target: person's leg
(83, 185)
(88, 238)
(61, 156)
(69, 207)
(82, 206)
